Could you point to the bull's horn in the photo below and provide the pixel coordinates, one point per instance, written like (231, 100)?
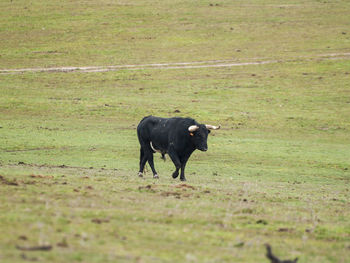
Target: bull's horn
(193, 128)
(211, 127)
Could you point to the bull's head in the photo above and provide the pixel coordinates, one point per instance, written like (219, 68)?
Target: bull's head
(199, 134)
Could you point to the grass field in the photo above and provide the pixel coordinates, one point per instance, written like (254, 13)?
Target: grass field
(277, 172)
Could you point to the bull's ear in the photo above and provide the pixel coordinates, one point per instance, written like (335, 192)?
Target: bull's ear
(208, 131)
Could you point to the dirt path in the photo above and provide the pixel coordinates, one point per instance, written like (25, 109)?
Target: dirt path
(183, 65)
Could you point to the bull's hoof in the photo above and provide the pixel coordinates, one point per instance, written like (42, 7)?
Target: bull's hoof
(140, 174)
(175, 175)
(156, 176)
(183, 179)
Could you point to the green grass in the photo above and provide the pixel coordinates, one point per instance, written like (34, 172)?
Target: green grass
(278, 171)
(64, 33)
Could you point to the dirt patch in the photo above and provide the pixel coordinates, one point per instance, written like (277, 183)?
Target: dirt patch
(185, 186)
(285, 229)
(3, 180)
(100, 220)
(35, 248)
(62, 166)
(63, 243)
(148, 188)
(28, 182)
(261, 221)
(28, 150)
(175, 194)
(41, 176)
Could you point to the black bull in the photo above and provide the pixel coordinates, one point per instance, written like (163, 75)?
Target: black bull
(178, 137)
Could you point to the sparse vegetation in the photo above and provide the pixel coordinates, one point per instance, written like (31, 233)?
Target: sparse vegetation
(277, 172)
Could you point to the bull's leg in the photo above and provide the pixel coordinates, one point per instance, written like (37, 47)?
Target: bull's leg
(149, 156)
(183, 165)
(150, 161)
(182, 175)
(176, 173)
(143, 160)
(176, 161)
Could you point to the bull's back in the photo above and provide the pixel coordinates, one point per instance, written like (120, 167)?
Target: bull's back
(152, 128)
(146, 126)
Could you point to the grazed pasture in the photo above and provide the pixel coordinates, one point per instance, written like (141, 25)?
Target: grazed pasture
(277, 172)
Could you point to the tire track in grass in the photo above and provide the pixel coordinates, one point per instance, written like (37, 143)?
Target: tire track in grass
(180, 65)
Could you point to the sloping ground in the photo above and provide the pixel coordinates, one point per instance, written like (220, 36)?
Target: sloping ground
(274, 74)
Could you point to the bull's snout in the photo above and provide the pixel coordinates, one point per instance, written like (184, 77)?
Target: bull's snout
(204, 149)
